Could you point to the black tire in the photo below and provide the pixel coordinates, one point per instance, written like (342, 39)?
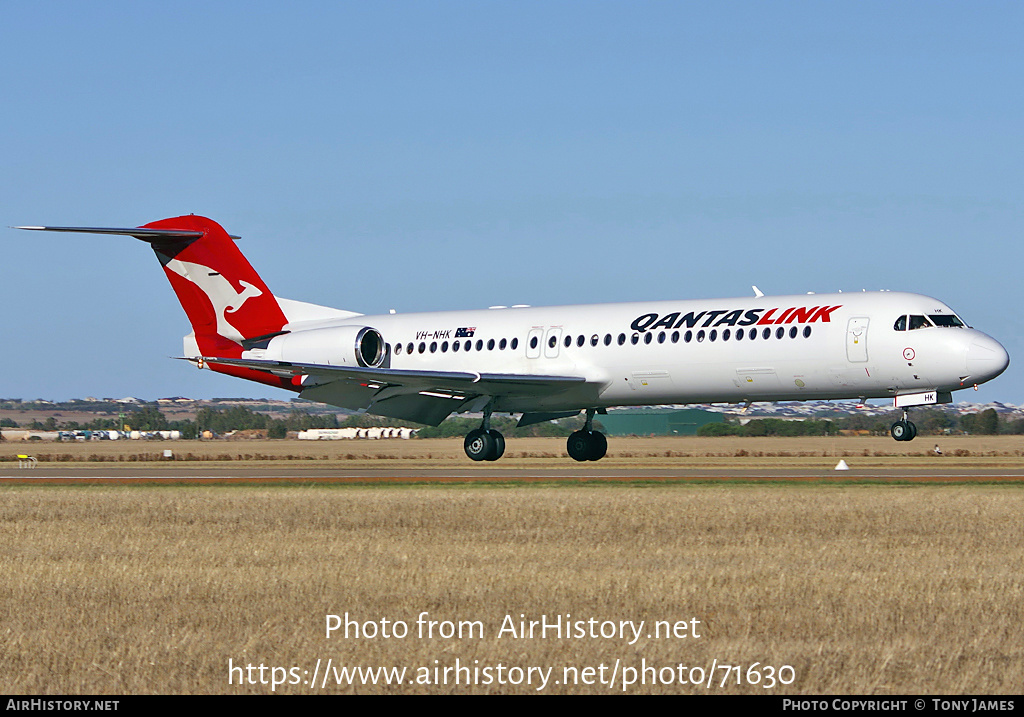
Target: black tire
(478, 444)
(900, 430)
(598, 446)
(911, 431)
(578, 446)
(498, 448)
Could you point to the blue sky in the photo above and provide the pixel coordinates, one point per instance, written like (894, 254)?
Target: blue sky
(445, 155)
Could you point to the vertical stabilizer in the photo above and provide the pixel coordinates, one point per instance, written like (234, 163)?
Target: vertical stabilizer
(225, 299)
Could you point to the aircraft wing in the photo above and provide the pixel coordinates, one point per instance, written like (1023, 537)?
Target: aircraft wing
(422, 396)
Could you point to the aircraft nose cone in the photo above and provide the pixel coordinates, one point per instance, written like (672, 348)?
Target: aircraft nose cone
(986, 359)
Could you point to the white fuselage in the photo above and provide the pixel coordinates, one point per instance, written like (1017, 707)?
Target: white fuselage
(801, 347)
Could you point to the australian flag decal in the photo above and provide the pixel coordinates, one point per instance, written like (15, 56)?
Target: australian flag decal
(465, 333)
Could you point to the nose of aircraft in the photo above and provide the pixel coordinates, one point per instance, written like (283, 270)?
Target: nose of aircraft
(986, 359)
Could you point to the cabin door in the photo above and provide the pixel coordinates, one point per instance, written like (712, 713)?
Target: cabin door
(857, 339)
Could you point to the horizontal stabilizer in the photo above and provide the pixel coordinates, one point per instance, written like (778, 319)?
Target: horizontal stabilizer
(150, 235)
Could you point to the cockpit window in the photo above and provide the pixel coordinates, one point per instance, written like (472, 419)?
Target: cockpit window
(912, 322)
(943, 320)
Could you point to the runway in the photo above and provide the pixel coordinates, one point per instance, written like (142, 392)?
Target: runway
(495, 474)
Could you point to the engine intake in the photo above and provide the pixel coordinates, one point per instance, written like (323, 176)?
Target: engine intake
(370, 347)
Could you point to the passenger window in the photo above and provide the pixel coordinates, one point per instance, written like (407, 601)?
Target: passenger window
(594, 339)
(581, 340)
(622, 339)
(901, 324)
(607, 339)
(515, 344)
(502, 344)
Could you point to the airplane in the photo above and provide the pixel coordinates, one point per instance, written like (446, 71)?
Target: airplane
(553, 362)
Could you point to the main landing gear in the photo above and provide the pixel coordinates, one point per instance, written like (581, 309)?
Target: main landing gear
(487, 444)
(587, 444)
(484, 443)
(903, 430)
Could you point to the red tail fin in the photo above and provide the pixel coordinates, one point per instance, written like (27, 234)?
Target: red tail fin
(225, 299)
(223, 296)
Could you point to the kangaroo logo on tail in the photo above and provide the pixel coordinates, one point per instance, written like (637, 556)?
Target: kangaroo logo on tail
(224, 298)
(222, 295)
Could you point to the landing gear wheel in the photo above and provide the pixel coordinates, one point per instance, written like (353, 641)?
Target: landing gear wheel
(484, 445)
(499, 445)
(479, 444)
(598, 446)
(578, 446)
(903, 431)
(899, 430)
(587, 445)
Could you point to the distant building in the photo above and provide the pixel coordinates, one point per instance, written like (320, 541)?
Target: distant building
(657, 422)
(337, 434)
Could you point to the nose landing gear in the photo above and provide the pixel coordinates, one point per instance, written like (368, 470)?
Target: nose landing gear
(903, 430)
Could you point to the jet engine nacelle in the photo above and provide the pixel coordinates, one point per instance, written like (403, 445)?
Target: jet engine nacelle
(335, 346)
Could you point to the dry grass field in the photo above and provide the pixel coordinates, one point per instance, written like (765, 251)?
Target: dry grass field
(862, 590)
